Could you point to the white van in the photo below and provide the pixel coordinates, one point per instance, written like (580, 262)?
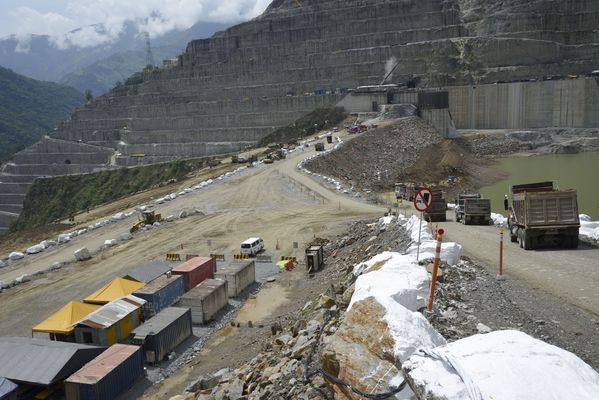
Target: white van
(252, 246)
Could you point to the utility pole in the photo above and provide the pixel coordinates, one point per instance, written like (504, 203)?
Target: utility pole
(149, 56)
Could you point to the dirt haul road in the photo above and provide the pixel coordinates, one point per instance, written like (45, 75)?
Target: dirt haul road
(276, 202)
(571, 275)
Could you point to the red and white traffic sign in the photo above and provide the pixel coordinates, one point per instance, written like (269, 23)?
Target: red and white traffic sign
(423, 199)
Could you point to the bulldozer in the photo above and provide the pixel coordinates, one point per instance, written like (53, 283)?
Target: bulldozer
(146, 218)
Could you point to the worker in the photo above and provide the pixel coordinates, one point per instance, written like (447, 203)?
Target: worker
(505, 203)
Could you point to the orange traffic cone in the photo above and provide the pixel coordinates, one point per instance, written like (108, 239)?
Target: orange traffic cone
(277, 247)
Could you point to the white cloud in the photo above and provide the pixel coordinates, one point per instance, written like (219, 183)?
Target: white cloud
(76, 24)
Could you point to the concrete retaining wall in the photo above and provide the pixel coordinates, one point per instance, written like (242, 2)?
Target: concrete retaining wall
(521, 105)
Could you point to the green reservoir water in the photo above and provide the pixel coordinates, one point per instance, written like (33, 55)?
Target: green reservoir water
(570, 171)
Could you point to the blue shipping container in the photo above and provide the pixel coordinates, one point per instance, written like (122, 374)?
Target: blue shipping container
(162, 333)
(161, 293)
(107, 376)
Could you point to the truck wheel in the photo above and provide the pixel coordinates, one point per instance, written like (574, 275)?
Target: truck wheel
(528, 241)
(571, 242)
(513, 238)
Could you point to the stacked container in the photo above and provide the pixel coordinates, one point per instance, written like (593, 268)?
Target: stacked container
(239, 275)
(205, 300)
(162, 292)
(195, 271)
(162, 333)
(107, 376)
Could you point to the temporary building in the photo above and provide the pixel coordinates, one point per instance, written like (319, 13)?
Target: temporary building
(163, 332)
(148, 272)
(60, 324)
(107, 376)
(111, 323)
(42, 362)
(8, 389)
(162, 292)
(196, 270)
(206, 299)
(115, 289)
(239, 275)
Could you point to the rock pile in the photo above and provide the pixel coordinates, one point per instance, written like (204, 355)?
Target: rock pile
(375, 159)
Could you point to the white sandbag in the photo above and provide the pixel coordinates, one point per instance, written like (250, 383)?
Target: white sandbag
(4, 285)
(181, 193)
(118, 216)
(82, 254)
(172, 196)
(170, 218)
(64, 238)
(450, 251)
(158, 201)
(15, 255)
(81, 231)
(22, 279)
(38, 248)
(110, 242)
(183, 214)
(156, 224)
(501, 365)
(3, 264)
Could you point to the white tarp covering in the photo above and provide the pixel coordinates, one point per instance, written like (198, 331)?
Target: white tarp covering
(499, 219)
(588, 227)
(450, 251)
(118, 216)
(398, 276)
(502, 365)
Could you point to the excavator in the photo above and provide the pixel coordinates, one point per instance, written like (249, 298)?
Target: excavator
(146, 218)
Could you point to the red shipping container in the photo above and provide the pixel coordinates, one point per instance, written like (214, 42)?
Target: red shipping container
(195, 270)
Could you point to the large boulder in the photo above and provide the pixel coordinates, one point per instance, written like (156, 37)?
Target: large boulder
(369, 346)
(82, 254)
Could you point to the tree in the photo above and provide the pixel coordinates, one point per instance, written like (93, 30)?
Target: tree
(88, 95)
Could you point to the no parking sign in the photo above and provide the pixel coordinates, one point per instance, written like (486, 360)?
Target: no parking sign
(423, 199)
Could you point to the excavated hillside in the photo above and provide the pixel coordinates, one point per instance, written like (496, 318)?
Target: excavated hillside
(229, 91)
(406, 150)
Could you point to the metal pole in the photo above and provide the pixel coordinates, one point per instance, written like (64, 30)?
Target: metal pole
(431, 295)
(500, 251)
(419, 231)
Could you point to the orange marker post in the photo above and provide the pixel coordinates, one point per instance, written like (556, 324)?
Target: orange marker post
(500, 251)
(431, 296)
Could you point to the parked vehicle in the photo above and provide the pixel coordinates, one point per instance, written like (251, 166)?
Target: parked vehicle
(438, 208)
(471, 208)
(252, 246)
(400, 191)
(542, 214)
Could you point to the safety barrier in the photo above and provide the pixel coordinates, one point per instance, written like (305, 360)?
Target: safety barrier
(218, 257)
(285, 258)
(173, 257)
(241, 256)
(263, 259)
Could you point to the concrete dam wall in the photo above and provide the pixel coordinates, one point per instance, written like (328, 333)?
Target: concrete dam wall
(519, 105)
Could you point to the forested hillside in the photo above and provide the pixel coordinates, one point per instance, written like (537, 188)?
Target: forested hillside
(30, 109)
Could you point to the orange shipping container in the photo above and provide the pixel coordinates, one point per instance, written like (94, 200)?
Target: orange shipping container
(195, 271)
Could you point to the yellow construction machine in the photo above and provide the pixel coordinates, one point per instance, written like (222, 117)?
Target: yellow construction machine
(146, 218)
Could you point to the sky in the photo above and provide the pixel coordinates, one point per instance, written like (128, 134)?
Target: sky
(58, 18)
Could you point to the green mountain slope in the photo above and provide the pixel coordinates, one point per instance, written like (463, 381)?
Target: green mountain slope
(30, 109)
